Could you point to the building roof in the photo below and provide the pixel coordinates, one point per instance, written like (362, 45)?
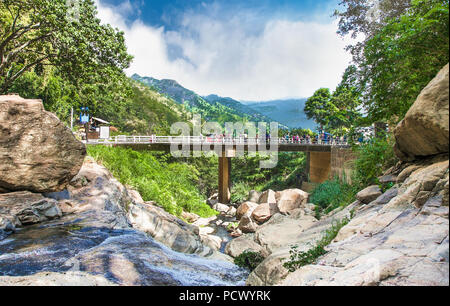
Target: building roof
(100, 120)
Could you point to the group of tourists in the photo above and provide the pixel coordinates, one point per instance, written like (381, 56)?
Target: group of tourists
(321, 138)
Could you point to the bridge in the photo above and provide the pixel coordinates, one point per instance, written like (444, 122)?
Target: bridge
(319, 154)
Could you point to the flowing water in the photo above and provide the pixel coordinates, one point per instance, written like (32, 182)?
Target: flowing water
(124, 256)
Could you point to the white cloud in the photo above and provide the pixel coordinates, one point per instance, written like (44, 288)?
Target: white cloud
(232, 58)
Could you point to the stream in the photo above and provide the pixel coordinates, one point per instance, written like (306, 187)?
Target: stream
(123, 255)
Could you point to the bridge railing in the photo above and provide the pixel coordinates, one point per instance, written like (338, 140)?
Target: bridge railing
(124, 139)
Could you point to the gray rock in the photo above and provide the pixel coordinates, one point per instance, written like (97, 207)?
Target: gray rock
(253, 196)
(369, 194)
(165, 228)
(38, 152)
(245, 208)
(386, 197)
(424, 130)
(243, 243)
(29, 208)
(267, 196)
(247, 225)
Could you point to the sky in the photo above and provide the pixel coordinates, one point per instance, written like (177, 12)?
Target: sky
(249, 50)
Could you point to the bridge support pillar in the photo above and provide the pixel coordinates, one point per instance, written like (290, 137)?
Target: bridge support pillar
(319, 166)
(224, 179)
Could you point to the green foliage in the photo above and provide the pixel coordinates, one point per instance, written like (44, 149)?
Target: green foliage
(138, 111)
(249, 260)
(170, 185)
(319, 106)
(289, 172)
(337, 111)
(299, 258)
(374, 156)
(399, 56)
(34, 33)
(332, 194)
(239, 192)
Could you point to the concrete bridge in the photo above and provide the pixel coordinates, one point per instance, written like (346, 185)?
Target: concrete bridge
(320, 156)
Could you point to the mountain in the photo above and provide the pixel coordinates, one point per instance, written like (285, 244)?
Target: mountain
(287, 112)
(252, 114)
(212, 107)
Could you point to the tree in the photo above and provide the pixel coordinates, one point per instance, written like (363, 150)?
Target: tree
(365, 18)
(36, 33)
(404, 47)
(336, 111)
(319, 107)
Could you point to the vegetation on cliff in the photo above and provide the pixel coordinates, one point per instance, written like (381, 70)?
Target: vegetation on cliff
(170, 185)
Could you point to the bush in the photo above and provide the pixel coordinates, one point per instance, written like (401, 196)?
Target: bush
(170, 185)
(249, 260)
(239, 192)
(299, 259)
(373, 158)
(332, 194)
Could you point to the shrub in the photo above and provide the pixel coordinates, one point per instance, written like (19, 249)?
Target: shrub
(249, 260)
(239, 192)
(373, 157)
(299, 259)
(331, 195)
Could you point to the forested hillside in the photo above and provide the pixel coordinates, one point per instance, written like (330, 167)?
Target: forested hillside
(212, 108)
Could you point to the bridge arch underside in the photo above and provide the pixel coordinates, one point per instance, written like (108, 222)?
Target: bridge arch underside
(319, 159)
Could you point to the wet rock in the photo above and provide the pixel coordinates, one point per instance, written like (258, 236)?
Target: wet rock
(28, 208)
(98, 239)
(165, 228)
(68, 278)
(38, 152)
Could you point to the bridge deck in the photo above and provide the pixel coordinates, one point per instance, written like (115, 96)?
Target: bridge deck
(165, 143)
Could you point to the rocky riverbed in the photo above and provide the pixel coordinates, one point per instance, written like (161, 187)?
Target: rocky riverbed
(95, 240)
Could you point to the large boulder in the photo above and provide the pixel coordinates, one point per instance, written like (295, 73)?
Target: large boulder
(424, 130)
(247, 224)
(264, 212)
(268, 196)
(291, 199)
(369, 194)
(37, 152)
(244, 243)
(253, 196)
(244, 208)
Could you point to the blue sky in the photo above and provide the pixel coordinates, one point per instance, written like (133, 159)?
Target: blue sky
(253, 50)
(166, 12)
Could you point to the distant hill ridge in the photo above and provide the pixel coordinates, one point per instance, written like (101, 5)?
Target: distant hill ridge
(289, 113)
